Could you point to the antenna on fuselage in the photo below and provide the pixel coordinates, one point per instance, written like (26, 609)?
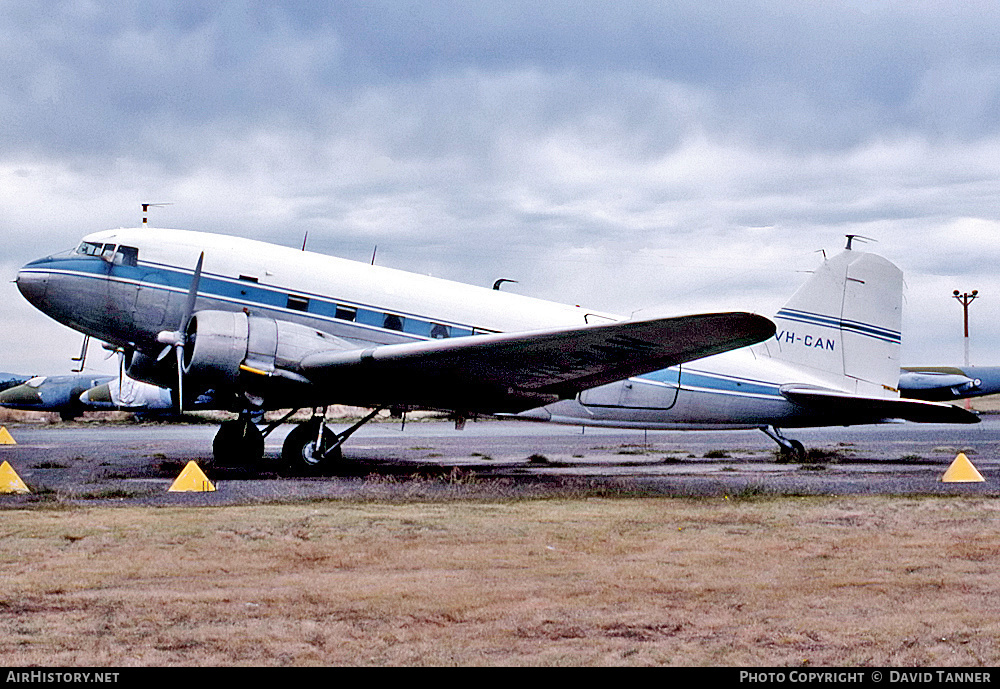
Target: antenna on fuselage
(852, 237)
(305, 239)
(145, 211)
(496, 285)
(374, 251)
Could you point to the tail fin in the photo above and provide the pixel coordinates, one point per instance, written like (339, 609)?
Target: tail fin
(843, 325)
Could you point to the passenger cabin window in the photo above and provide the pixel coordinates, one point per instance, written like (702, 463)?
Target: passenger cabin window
(439, 332)
(392, 322)
(298, 303)
(346, 313)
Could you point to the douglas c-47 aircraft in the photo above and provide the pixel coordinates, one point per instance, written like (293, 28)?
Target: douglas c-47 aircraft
(251, 326)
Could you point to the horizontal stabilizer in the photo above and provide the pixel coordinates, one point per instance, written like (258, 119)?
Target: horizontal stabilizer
(515, 371)
(875, 409)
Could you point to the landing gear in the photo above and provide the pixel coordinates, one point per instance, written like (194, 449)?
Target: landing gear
(792, 449)
(312, 448)
(238, 443)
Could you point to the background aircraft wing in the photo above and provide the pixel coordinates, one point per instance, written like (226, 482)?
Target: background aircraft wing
(874, 409)
(516, 371)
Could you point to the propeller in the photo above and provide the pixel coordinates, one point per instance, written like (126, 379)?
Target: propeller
(120, 351)
(177, 339)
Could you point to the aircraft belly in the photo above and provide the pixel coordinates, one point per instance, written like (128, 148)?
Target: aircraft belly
(693, 409)
(714, 408)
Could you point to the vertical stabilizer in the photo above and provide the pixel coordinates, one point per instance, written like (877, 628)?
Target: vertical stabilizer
(843, 325)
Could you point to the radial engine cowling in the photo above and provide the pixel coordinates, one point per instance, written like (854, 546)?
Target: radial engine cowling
(219, 342)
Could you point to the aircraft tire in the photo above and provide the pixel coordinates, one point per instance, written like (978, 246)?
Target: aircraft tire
(238, 443)
(797, 453)
(299, 450)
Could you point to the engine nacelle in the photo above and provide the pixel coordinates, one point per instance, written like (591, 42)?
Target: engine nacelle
(219, 342)
(216, 345)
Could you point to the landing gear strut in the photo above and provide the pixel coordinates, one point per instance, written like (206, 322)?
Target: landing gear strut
(311, 447)
(790, 447)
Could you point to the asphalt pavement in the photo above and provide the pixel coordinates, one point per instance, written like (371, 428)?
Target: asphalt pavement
(135, 463)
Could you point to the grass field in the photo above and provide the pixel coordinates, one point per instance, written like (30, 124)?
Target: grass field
(728, 581)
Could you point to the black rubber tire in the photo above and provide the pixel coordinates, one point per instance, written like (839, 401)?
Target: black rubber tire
(238, 443)
(298, 454)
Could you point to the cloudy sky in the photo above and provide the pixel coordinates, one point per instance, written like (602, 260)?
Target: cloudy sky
(682, 155)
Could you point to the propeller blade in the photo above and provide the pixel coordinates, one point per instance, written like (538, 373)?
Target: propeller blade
(192, 294)
(175, 339)
(180, 379)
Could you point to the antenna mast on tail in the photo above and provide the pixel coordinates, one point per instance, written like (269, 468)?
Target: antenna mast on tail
(852, 237)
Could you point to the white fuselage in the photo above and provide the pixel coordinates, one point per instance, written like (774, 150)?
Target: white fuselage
(140, 288)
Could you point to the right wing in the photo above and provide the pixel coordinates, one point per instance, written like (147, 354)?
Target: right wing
(517, 371)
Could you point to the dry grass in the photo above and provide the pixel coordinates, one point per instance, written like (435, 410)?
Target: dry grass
(821, 581)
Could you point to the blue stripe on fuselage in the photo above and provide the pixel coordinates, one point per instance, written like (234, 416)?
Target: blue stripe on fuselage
(221, 288)
(704, 381)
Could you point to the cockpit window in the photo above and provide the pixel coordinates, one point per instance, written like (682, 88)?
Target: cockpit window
(127, 256)
(90, 249)
(120, 255)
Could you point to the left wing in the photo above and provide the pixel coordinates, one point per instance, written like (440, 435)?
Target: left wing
(517, 371)
(874, 409)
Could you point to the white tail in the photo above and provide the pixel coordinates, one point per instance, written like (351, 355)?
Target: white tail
(844, 324)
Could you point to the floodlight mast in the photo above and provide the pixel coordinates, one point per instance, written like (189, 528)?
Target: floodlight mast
(966, 298)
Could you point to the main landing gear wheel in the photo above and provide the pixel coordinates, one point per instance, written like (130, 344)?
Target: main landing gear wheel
(238, 443)
(301, 454)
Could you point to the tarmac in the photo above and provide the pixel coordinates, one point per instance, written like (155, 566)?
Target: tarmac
(123, 463)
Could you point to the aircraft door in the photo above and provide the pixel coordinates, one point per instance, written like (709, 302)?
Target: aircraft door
(656, 390)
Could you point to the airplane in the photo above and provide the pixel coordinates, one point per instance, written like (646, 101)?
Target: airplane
(72, 394)
(52, 393)
(254, 326)
(942, 383)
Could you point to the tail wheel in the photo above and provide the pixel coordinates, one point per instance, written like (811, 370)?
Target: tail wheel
(301, 453)
(797, 451)
(238, 443)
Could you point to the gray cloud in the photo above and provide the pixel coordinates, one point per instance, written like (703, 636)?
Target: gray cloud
(626, 155)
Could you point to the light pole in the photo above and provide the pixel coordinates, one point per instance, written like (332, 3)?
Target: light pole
(966, 298)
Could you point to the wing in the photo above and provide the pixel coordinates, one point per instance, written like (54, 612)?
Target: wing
(875, 409)
(516, 371)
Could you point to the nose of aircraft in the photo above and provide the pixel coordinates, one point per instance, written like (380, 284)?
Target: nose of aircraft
(32, 284)
(98, 396)
(20, 397)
